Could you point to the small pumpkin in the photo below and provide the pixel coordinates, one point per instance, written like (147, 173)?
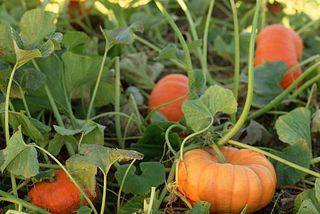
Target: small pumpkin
(248, 178)
(60, 196)
(168, 89)
(78, 8)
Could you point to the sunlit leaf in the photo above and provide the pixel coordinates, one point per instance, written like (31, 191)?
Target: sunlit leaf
(199, 112)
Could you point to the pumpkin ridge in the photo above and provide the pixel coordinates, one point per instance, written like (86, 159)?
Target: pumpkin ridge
(261, 192)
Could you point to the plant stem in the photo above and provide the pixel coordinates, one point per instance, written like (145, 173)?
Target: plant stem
(305, 27)
(24, 101)
(163, 105)
(96, 86)
(104, 193)
(10, 198)
(236, 55)
(117, 105)
(165, 188)
(219, 153)
(305, 86)
(205, 43)
(69, 176)
(285, 93)
(203, 60)
(192, 135)
(122, 184)
(152, 194)
(167, 136)
(249, 97)
(281, 160)
(6, 105)
(187, 57)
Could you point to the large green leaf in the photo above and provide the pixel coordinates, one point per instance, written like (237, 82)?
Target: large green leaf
(35, 25)
(133, 205)
(91, 156)
(19, 158)
(152, 175)
(79, 70)
(6, 44)
(31, 127)
(298, 153)
(58, 141)
(308, 201)
(52, 67)
(295, 126)
(267, 82)
(75, 41)
(200, 112)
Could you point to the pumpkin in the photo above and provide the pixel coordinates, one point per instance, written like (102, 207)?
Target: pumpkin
(247, 178)
(60, 196)
(278, 43)
(168, 89)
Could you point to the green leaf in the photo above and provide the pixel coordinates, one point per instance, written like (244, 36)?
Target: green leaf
(307, 207)
(31, 127)
(298, 153)
(120, 36)
(295, 126)
(200, 112)
(317, 189)
(19, 158)
(35, 25)
(75, 41)
(79, 70)
(267, 82)
(30, 78)
(152, 175)
(58, 142)
(202, 207)
(84, 164)
(6, 44)
(84, 210)
(170, 52)
(134, 205)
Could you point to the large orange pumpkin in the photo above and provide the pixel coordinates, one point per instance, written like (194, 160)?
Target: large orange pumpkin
(248, 178)
(60, 196)
(168, 89)
(278, 43)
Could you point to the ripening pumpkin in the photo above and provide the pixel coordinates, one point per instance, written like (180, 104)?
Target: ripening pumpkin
(60, 196)
(247, 177)
(278, 43)
(168, 89)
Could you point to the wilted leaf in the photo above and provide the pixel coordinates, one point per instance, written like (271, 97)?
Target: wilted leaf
(253, 133)
(200, 112)
(135, 70)
(152, 175)
(84, 164)
(267, 82)
(19, 158)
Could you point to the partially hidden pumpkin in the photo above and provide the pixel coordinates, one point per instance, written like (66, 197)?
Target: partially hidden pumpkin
(278, 43)
(247, 178)
(168, 89)
(60, 196)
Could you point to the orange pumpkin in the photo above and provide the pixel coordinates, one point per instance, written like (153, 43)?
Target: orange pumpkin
(248, 178)
(60, 196)
(78, 8)
(168, 89)
(278, 43)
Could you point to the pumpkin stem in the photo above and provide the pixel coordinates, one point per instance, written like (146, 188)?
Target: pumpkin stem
(219, 153)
